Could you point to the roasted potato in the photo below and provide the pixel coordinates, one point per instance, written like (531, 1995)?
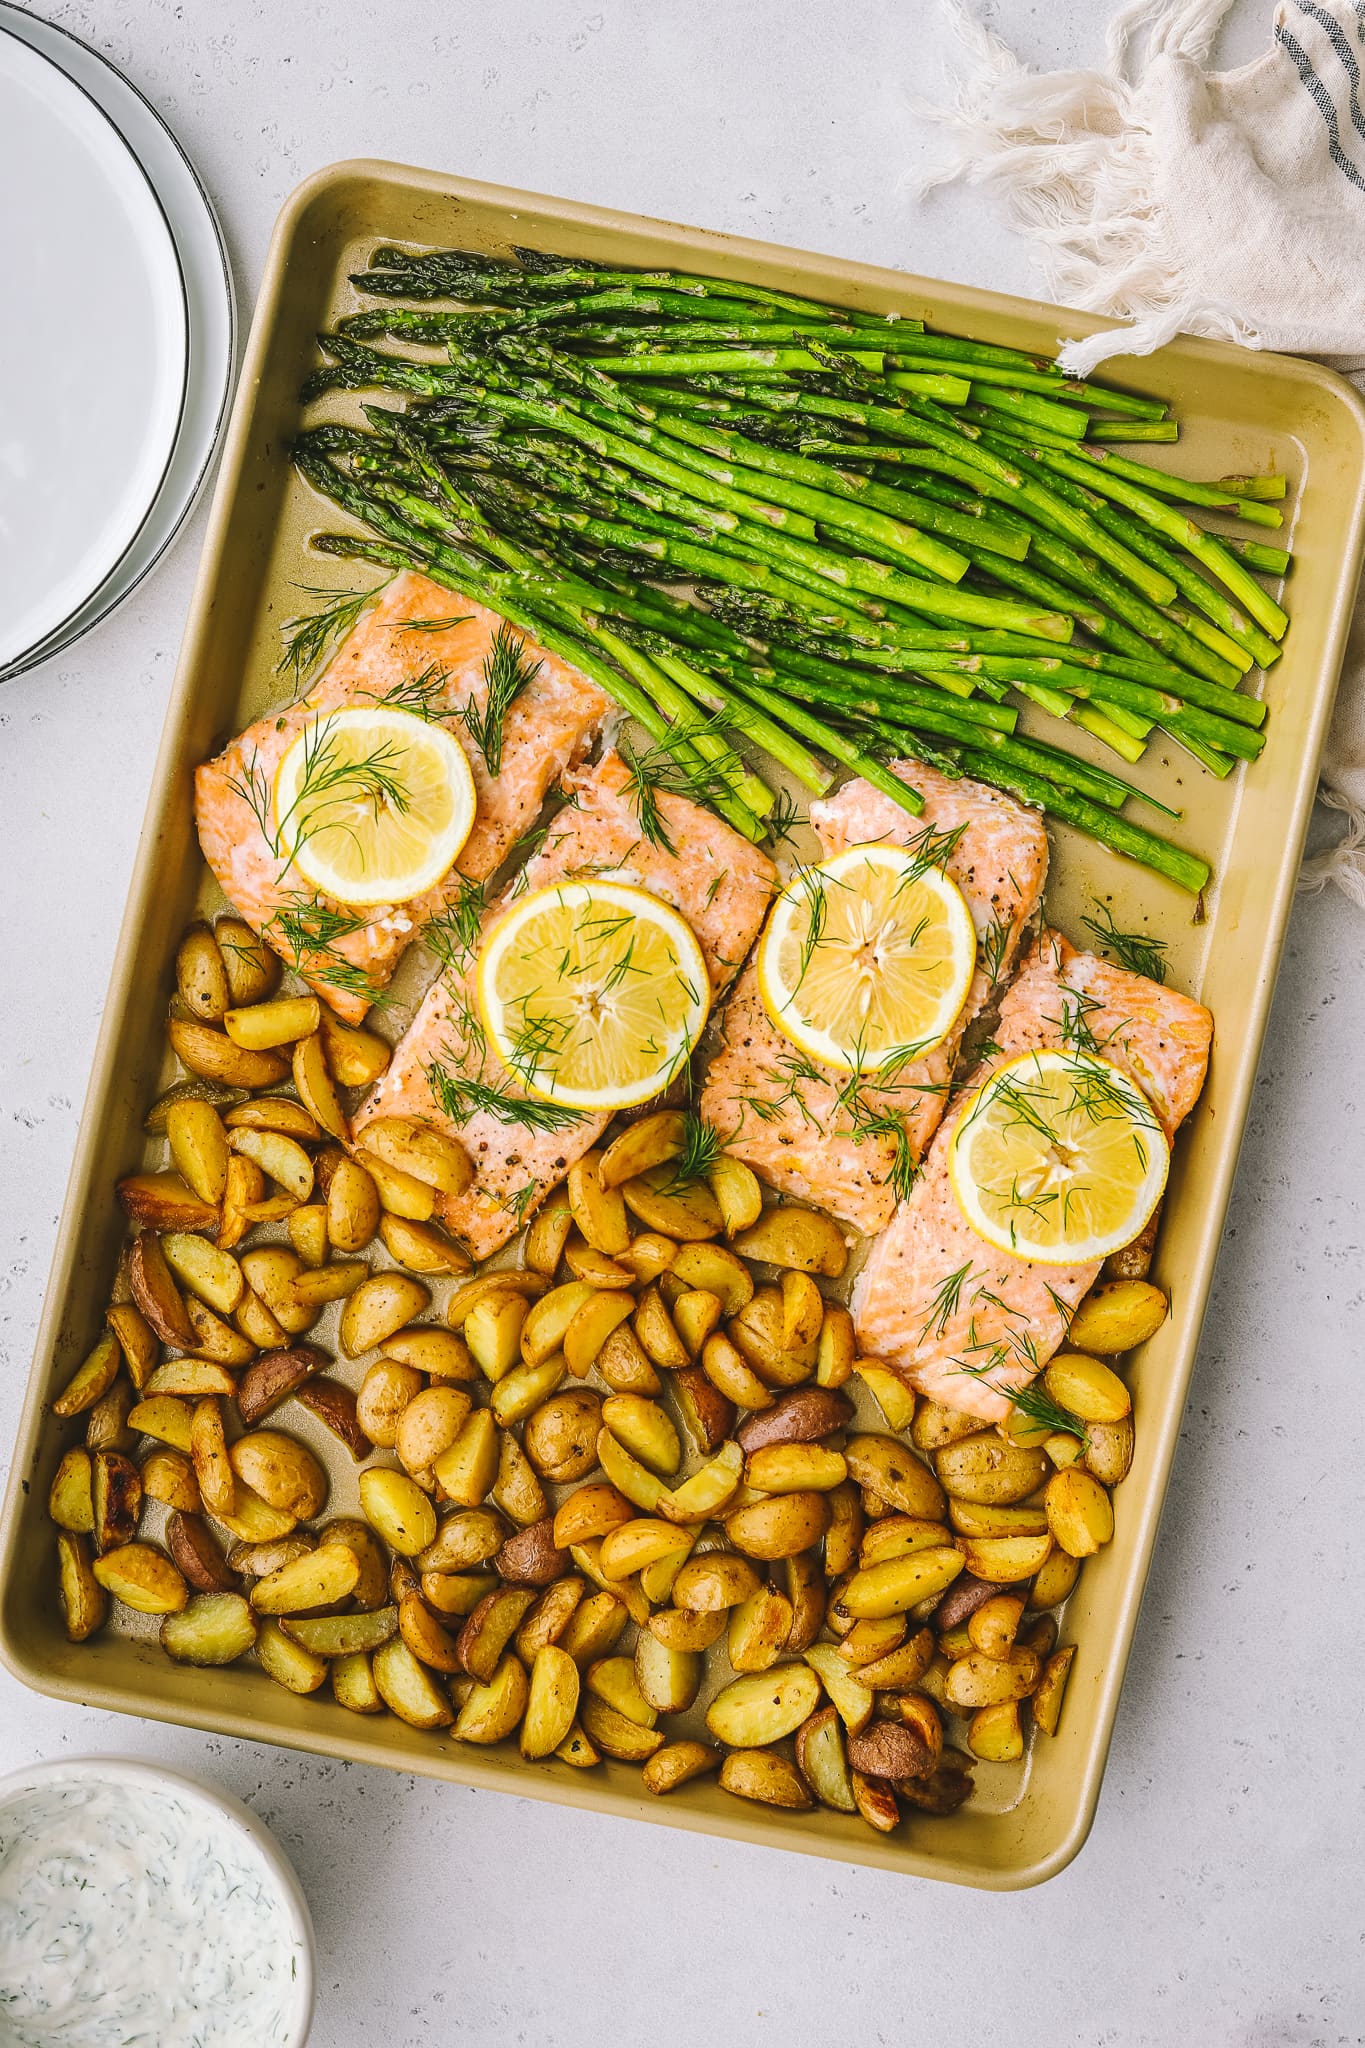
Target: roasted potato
(1116, 1316)
(767, 1776)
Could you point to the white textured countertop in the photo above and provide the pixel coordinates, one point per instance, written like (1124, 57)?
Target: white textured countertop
(1217, 1902)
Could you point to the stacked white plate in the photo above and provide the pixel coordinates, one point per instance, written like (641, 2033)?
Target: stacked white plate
(117, 336)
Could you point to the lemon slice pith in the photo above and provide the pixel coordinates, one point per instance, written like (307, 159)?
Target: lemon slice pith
(592, 993)
(373, 805)
(1058, 1157)
(867, 956)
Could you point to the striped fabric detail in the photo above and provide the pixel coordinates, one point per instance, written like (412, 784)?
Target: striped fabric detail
(1316, 41)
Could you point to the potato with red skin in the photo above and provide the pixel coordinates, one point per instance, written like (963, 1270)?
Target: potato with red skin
(801, 1417)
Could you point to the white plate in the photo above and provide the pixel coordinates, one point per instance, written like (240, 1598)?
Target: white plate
(209, 293)
(95, 347)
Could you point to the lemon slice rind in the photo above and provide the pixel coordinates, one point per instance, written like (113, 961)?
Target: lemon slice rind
(593, 993)
(1059, 1158)
(373, 804)
(890, 967)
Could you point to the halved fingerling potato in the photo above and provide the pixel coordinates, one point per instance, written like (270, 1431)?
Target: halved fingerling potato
(758, 1630)
(551, 1702)
(525, 1388)
(592, 1325)
(204, 1050)
(1088, 1387)
(316, 1087)
(547, 1234)
(616, 1733)
(420, 1151)
(252, 970)
(396, 1507)
(548, 1619)
(209, 1456)
(407, 1688)
(197, 1555)
(900, 1583)
(353, 1211)
(876, 1802)
(343, 1635)
(823, 1759)
(684, 1210)
(645, 1429)
(517, 1489)
(895, 1399)
(804, 1240)
(262, 1026)
(355, 1056)
(383, 1395)
(768, 1777)
(421, 1247)
(531, 1557)
(894, 1473)
(707, 1491)
(796, 1468)
(283, 1471)
(1080, 1513)
(201, 975)
(142, 1577)
(1006, 1560)
(212, 1629)
(168, 1476)
(69, 1501)
(598, 1210)
(1047, 1697)
(467, 1470)
(647, 1142)
(378, 1308)
(1108, 1452)
(590, 1511)
(803, 1310)
(676, 1764)
(780, 1526)
(429, 1425)
(429, 1640)
(732, 1376)
(986, 1468)
(669, 1680)
(83, 1600)
(763, 1706)
(641, 1487)
(595, 1627)
(137, 1340)
(353, 1685)
(979, 1681)
(1117, 1316)
(491, 1627)
(624, 1366)
(199, 1147)
(157, 1296)
(717, 1271)
(714, 1581)
(439, 1353)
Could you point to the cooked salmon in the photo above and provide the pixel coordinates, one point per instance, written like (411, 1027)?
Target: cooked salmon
(956, 1317)
(713, 877)
(817, 1133)
(393, 654)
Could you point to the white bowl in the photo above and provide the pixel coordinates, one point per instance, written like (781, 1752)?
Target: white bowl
(221, 1809)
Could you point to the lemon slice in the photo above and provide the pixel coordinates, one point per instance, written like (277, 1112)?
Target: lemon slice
(593, 993)
(867, 958)
(1058, 1157)
(372, 806)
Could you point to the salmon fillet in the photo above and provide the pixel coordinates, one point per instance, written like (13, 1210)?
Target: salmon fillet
(547, 728)
(803, 1126)
(717, 881)
(958, 1319)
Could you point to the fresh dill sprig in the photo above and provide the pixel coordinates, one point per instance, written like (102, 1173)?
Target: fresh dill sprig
(1139, 952)
(453, 934)
(783, 819)
(944, 1303)
(329, 782)
(993, 947)
(424, 695)
(460, 1097)
(1077, 1010)
(429, 625)
(930, 849)
(305, 639)
(520, 1203)
(1032, 1400)
(507, 670)
(701, 1148)
(660, 769)
(306, 929)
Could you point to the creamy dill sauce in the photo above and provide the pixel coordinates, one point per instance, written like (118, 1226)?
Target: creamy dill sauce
(136, 1916)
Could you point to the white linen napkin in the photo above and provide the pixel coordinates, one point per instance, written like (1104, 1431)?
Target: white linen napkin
(1187, 200)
